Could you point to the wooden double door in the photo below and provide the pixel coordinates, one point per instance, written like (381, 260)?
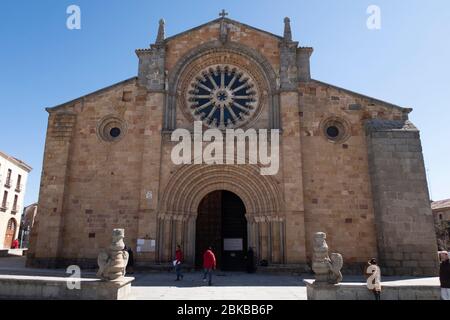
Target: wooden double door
(221, 223)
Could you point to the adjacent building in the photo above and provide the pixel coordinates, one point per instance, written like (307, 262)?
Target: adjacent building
(13, 180)
(441, 214)
(28, 218)
(350, 165)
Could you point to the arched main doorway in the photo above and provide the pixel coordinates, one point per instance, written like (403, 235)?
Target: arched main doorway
(221, 223)
(10, 233)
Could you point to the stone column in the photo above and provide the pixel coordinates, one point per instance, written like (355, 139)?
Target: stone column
(292, 170)
(150, 166)
(190, 244)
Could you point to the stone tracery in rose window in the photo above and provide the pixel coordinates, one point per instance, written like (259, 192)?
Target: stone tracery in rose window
(223, 97)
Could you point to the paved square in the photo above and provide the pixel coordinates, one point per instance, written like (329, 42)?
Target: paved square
(226, 286)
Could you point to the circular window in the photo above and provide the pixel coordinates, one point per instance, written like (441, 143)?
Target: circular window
(111, 129)
(332, 132)
(115, 132)
(335, 129)
(223, 97)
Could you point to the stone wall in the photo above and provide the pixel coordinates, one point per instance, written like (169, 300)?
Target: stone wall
(336, 181)
(90, 185)
(403, 218)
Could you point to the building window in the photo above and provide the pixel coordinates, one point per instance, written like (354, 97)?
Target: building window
(336, 130)
(18, 185)
(4, 201)
(115, 132)
(8, 179)
(223, 97)
(440, 216)
(111, 129)
(333, 132)
(14, 208)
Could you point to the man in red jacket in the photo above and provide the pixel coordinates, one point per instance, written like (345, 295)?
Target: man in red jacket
(209, 264)
(15, 244)
(179, 258)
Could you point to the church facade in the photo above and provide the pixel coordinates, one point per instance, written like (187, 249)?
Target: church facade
(349, 165)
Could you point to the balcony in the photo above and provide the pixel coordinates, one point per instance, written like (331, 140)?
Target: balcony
(19, 187)
(4, 206)
(8, 183)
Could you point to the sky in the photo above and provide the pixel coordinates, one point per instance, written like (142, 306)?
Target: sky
(43, 63)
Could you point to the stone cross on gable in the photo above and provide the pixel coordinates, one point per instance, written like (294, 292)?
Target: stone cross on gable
(223, 14)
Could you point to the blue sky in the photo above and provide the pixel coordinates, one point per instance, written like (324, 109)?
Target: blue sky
(43, 64)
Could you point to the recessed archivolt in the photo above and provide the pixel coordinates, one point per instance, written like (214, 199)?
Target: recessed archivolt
(250, 54)
(191, 183)
(244, 57)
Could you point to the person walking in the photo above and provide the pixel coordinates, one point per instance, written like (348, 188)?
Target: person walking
(179, 258)
(209, 264)
(444, 275)
(373, 274)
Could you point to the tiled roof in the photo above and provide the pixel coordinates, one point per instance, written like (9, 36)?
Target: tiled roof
(440, 204)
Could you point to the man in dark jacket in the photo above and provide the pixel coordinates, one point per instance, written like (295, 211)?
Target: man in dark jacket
(130, 265)
(250, 261)
(444, 276)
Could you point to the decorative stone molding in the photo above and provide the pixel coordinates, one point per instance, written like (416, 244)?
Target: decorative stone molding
(111, 128)
(288, 60)
(287, 30)
(215, 52)
(335, 129)
(224, 88)
(161, 32)
(191, 183)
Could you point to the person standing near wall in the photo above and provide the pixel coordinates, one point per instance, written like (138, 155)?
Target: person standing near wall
(178, 263)
(130, 265)
(373, 274)
(444, 275)
(250, 259)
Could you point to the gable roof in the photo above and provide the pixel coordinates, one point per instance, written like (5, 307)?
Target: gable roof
(55, 108)
(362, 96)
(218, 20)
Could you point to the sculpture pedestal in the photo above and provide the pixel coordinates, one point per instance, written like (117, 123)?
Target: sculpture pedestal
(411, 289)
(56, 288)
(321, 291)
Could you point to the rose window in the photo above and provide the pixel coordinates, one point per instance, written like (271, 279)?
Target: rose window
(223, 97)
